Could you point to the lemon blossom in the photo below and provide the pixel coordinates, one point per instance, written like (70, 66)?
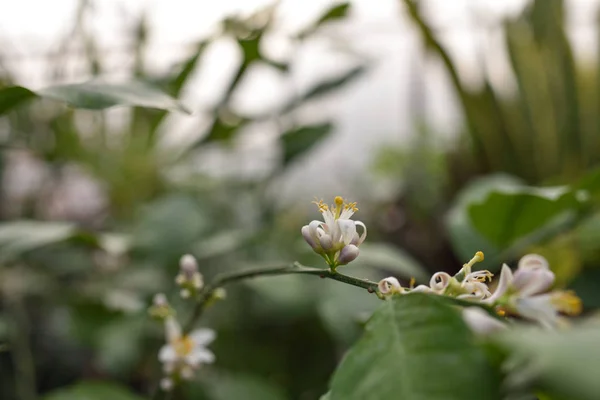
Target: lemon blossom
(184, 354)
(336, 238)
(524, 293)
(480, 321)
(189, 278)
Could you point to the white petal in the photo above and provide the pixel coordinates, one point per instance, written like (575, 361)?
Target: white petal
(172, 329)
(307, 236)
(421, 289)
(313, 227)
(533, 261)
(538, 308)
(347, 229)
(439, 281)
(326, 242)
(389, 285)
(363, 236)
(481, 322)
(200, 355)
(530, 282)
(202, 337)
(506, 278)
(167, 354)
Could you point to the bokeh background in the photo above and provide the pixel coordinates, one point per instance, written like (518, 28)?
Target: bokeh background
(413, 109)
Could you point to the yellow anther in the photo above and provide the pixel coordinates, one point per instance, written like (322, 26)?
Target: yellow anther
(351, 206)
(321, 205)
(412, 282)
(501, 312)
(567, 302)
(183, 346)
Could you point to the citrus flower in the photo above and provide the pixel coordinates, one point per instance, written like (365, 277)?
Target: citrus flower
(184, 354)
(189, 279)
(336, 238)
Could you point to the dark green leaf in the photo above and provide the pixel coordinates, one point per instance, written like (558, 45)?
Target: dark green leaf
(224, 131)
(22, 236)
(564, 363)
(415, 347)
(507, 214)
(13, 96)
(98, 95)
(93, 391)
(299, 140)
(247, 387)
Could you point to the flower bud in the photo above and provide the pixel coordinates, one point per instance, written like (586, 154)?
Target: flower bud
(480, 322)
(389, 285)
(188, 265)
(529, 282)
(533, 261)
(306, 235)
(326, 242)
(166, 384)
(160, 300)
(348, 254)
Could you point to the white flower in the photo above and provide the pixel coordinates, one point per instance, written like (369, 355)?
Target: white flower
(336, 238)
(481, 322)
(439, 281)
(474, 285)
(522, 292)
(189, 278)
(185, 353)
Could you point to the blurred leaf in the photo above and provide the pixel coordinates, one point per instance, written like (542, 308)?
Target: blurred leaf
(325, 87)
(587, 287)
(97, 95)
(299, 140)
(415, 347)
(22, 236)
(119, 344)
(13, 96)
(564, 362)
(224, 131)
(391, 258)
(89, 390)
(509, 213)
(465, 239)
(344, 310)
(240, 386)
(336, 12)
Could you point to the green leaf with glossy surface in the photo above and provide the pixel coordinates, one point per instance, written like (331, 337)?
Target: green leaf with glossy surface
(11, 97)
(299, 140)
(98, 95)
(563, 363)
(415, 347)
(510, 213)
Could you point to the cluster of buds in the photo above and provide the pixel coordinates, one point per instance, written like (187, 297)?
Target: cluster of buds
(336, 238)
(189, 279)
(161, 309)
(523, 294)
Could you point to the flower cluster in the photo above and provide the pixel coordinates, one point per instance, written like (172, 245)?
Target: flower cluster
(189, 278)
(336, 238)
(524, 293)
(183, 352)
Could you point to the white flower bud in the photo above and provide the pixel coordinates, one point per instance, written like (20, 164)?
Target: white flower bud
(481, 322)
(185, 293)
(188, 265)
(533, 261)
(389, 285)
(326, 242)
(307, 236)
(348, 254)
(440, 281)
(160, 300)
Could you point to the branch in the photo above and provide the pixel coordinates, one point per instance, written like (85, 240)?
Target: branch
(296, 268)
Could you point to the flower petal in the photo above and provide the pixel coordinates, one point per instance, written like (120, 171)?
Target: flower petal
(363, 236)
(347, 229)
(200, 355)
(389, 285)
(167, 354)
(439, 281)
(481, 322)
(202, 337)
(172, 329)
(533, 261)
(506, 278)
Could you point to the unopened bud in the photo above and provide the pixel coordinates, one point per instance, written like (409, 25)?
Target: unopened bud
(188, 265)
(306, 235)
(326, 242)
(160, 300)
(348, 254)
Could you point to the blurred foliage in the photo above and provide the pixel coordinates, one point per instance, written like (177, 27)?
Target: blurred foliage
(76, 275)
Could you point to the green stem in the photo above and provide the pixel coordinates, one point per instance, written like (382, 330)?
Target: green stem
(295, 268)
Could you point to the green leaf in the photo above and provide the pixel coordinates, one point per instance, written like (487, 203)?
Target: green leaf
(391, 258)
(415, 347)
(22, 236)
(510, 213)
(243, 386)
(11, 97)
(563, 363)
(98, 95)
(299, 140)
(93, 391)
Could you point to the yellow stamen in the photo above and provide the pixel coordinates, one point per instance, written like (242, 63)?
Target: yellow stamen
(183, 346)
(567, 302)
(501, 312)
(351, 206)
(412, 282)
(321, 205)
(478, 257)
